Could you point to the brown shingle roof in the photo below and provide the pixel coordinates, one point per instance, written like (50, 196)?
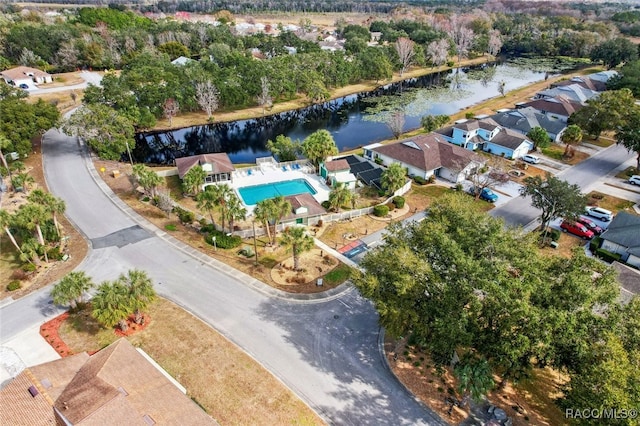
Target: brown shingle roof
(220, 163)
(119, 383)
(337, 165)
(304, 200)
(426, 152)
(22, 72)
(558, 105)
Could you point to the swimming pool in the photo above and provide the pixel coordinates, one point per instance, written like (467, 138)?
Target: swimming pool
(251, 195)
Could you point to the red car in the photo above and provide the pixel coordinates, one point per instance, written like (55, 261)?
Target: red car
(576, 229)
(590, 225)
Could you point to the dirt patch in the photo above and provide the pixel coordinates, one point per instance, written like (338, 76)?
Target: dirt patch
(311, 265)
(230, 385)
(435, 387)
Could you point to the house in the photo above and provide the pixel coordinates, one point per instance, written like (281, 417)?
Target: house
(487, 135)
(573, 92)
(364, 170)
(558, 108)
(305, 210)
(426, 156)
(623, 237)
(117, 385)
(338, 171)
(596, 81)
(522, 120)
(25, 75)
(217, 166)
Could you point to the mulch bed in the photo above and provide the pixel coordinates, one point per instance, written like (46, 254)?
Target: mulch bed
(49, 330)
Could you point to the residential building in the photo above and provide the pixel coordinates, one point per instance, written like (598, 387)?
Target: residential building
(218, 166)
(426, 156)
(623, 237)
(338, 171)
(558, 108)
(25, 75)
(522, 120)
(117, 385)
(573, 92)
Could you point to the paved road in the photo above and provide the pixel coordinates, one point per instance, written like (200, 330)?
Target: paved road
(326, 351)
(586, 174)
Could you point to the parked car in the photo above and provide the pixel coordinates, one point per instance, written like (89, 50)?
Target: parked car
(591, 225)
(486, 194)
(599, 213)
(576, 228)
(24, 86)
(634, 180)
(531, 159)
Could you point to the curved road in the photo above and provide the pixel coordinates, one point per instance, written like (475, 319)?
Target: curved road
(326, 350)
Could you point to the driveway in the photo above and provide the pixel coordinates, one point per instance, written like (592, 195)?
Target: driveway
(327, 351)
(88, 77)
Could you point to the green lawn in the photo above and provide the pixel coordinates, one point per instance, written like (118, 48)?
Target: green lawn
(627, 173)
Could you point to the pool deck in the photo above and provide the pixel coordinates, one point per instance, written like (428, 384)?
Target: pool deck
(270, 173)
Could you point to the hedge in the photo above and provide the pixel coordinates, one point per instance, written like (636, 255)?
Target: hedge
(419, 180)
(185, 216)
(380, 211)
(399, 202)
(607, 255)
(14, 285)
(223, 240)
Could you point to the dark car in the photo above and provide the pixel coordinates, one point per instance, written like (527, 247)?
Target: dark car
(576, 228)
(591, 225)
(24, 86)
(485, 194)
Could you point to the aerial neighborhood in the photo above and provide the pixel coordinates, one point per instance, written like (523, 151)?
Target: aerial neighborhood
(294, 213)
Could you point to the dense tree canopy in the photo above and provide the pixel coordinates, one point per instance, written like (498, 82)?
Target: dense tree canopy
(605, 112)
(452, 287)
(22, 121)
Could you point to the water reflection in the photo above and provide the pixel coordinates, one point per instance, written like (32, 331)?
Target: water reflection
(345, 118)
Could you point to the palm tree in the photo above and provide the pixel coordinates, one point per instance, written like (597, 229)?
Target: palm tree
(5, 222)
(572, 135)
(31, 216)
(24, 180)
(140, 291)
(70, 289)
(339, 196)
(222, 193)
(29, 251)
(393, 177)
(206, 200)
(298, 241)
(147, 178)
(112, 304)
(262, 212)
(193, 179)
(474, 377)
(281, 208)
(52, 203)
(235, 210)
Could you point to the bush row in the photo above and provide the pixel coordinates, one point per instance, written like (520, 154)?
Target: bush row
(223, 240)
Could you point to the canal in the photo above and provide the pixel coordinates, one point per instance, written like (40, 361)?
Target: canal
(350, 119)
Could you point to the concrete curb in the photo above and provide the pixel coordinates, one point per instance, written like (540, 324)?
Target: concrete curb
(214, 263)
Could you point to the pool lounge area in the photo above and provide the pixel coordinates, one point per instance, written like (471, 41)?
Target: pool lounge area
(269, 179)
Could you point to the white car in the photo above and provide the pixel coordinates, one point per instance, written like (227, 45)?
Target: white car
(634, 180)
(531, 159)
(599, 213)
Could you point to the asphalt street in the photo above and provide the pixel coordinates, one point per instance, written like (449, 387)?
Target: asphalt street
(518, 211)
(327, 350)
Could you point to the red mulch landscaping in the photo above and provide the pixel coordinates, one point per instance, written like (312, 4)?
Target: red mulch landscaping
(49, 330)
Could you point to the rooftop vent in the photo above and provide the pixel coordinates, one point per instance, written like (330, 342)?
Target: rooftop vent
(148, 420)
(33, 391)
(46, 383)
(411, 144)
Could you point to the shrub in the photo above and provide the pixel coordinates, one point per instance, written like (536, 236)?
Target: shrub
(419, 180)
(146, 199)
(399, 202)
(432, 179)
(378, 160)
(326, 205)
(450, 64)
(555, 235)
(55, 254)
(185, 216)
(381, 193)
(469, 115)
(29, 267)
(319, 223)
(247, 251)
(171, 227)
(607, 256)
(380, 211)
(14, 285)
(594, 244)
(222, 240)
(207, 228)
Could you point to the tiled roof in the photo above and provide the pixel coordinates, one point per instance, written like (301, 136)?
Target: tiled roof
(624, 230)
(22, 72)
(337, 165)
(220, 163)
(427, 152)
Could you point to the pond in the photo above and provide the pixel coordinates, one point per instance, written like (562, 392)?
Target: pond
(349, 119)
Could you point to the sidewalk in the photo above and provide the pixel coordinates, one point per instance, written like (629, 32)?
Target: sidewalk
(26, 349)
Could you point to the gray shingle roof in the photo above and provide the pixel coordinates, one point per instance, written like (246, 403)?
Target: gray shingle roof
(624, 230)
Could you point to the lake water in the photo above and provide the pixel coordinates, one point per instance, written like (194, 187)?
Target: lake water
(346, 118)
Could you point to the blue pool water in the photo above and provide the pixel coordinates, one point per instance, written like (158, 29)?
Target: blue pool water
(251, 195)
